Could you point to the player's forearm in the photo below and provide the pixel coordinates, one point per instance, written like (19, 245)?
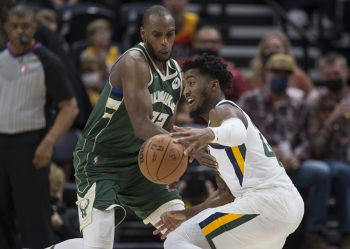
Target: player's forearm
(146, 128)
(218, 198)
(63, 121)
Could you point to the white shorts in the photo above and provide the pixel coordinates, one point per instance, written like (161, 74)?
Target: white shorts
(260, 219)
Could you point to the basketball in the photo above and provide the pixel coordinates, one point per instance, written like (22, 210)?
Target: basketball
(161, 160)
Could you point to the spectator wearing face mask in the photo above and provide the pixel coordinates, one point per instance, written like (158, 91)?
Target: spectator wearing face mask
(93, 75)
(329, 128)
(282, 120)
(300, 85)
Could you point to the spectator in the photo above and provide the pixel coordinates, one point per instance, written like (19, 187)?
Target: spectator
(330, 131)
(282, 121)
(186, 24)
(300, 85)
(48, 18)
(64, 220)
(29, 131)
(99, 35)
(93, 75)
(208, 40)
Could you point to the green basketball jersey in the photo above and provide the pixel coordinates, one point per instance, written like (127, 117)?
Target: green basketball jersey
(109, 130)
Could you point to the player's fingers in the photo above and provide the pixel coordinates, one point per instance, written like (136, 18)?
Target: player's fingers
(189, 150)
(156, 232)
(159, 230)
(177, 128)
(209, 161)
(164, 235)
(179, 134)
(158, 224)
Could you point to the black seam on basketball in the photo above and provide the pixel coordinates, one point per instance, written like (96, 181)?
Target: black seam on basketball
(174, 169)
(145, 150)
(162, 158)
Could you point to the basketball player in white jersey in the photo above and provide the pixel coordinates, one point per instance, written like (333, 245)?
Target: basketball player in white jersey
(256, 206)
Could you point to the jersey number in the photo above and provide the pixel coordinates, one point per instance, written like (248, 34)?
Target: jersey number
(159, 118)
(268, 150)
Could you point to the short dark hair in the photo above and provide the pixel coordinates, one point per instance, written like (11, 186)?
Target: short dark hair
(158, 10)
(20, 10)
(331, 58)
(211, 66)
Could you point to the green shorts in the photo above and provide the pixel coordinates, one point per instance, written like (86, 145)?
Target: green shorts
(107, 182)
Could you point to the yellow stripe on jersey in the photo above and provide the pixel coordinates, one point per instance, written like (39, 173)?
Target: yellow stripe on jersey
(220, 222)
(239, 158)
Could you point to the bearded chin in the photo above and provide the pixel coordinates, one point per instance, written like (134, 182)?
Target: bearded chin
(197, 112)
(150, 50)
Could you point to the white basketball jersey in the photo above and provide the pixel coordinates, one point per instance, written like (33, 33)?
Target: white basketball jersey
(249, 166)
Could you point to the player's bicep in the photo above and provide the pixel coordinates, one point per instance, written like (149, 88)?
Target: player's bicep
(135, 76)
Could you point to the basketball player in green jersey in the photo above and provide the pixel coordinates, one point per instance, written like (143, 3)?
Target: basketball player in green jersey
(139, 102)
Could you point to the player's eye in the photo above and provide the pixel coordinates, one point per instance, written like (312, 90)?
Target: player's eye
(170, 34)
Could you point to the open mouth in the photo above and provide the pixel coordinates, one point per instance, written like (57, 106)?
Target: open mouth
(190, 101)
(164, 52)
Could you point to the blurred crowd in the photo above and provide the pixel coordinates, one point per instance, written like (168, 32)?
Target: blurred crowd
(307, 124)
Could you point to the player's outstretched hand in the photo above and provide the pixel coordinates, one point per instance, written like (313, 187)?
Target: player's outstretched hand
(205, 159)
(169, 221)
(193, 139)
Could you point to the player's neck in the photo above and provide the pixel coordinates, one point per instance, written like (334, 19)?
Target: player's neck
(212, 103)
(161, 65)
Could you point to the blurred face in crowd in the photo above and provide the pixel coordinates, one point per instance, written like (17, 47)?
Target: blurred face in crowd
(273, 45)
(278, 80)
(101, 37)
(158, 35)
(207, 40)
(176, 7)
(56, 192)
(92, 75)
(335, 75)
(20, 31)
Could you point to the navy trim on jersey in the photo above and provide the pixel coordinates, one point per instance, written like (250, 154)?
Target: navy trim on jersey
(117, 91)
(219, 146)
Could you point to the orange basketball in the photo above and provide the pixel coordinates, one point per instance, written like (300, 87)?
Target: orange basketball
(161, 160)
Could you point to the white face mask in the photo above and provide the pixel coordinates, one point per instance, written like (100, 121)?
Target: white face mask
(91, 79)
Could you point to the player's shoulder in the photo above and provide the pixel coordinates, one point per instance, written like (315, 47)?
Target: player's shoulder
(134, 57)
(225, 110)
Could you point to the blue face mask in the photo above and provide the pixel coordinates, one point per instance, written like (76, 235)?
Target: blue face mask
(278, 84)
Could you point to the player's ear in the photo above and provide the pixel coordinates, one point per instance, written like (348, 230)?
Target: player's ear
(143, 34)
(214, 84)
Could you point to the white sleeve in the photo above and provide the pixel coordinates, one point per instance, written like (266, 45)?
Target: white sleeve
(231, 132)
